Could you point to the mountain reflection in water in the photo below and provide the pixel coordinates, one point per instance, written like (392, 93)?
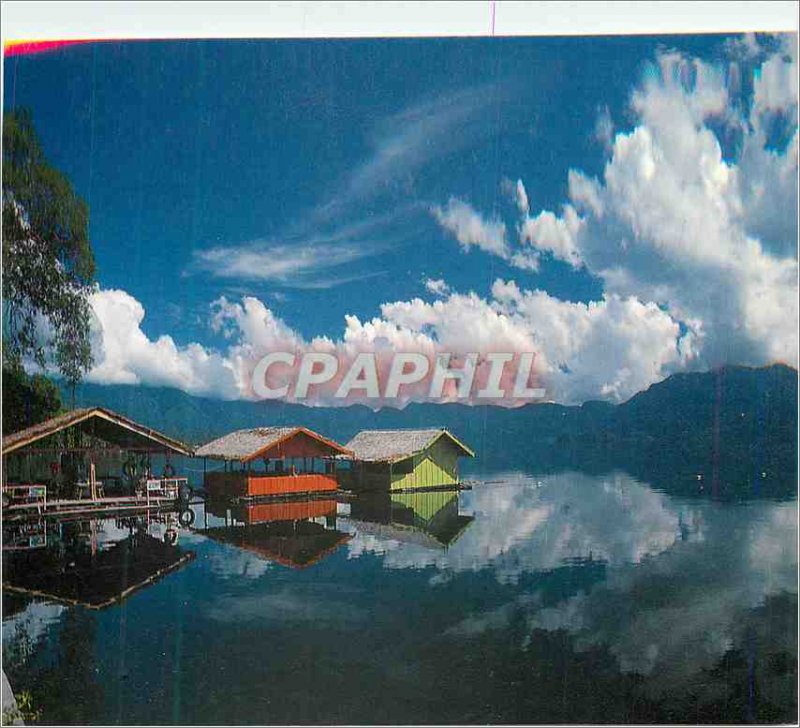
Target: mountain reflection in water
(562, 598)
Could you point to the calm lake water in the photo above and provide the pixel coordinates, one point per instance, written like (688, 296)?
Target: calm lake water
(559, 598)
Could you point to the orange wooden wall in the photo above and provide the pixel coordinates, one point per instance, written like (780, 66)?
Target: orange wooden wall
(220, 485)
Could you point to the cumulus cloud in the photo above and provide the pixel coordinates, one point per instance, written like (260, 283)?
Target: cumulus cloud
(470, 228)
(696, 248)
(124, 354)
(712, 241)
(709, 565)
(555, 235)
(709, 237)
(605, 349)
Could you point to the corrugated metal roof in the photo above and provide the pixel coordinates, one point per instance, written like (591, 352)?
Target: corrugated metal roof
(392, 445)
(100, 422)
(247, 444)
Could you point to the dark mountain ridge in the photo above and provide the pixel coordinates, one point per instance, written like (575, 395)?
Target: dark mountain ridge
(735, 427)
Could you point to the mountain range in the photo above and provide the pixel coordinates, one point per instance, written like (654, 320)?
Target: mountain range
(731, 432)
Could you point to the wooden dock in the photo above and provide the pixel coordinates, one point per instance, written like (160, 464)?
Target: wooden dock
(85, 506)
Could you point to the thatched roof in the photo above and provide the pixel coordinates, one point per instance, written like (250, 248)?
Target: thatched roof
(394, 445)
(97, 422)
(246, 445)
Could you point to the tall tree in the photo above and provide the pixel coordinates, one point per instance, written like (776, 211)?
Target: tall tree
(27, 399)
(48, 264)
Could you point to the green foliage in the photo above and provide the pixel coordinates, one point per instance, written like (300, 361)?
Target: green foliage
(48, 265)
(25, 710)
(27, 399)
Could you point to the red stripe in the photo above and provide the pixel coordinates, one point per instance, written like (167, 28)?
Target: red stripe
(38, 46)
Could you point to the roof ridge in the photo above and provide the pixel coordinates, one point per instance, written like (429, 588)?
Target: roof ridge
(403, 429)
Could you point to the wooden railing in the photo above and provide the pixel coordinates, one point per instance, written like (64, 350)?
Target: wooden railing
(28, 495)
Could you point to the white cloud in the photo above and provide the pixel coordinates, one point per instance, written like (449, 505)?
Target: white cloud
(23, 631)
(517, 194)
(696, 249)
(745, 555)
(294, 266)
(678, 224)
(710, 565)
(470, 228)
(125, 355)
(521, 197)
(607, 349)
(604, 128)
(437, 286)
(709, 239)
(556, 235)
(412, 139)
(775, 84)
(300, 259)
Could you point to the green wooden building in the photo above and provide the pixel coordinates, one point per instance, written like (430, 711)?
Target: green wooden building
(404, 459)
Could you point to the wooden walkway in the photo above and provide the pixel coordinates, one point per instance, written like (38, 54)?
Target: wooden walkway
(85, 506)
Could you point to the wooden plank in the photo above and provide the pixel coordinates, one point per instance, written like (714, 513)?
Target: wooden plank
(282, 484)
(88, 507)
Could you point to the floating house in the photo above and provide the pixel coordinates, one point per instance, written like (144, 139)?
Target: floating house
(89, 458)
(271, 461)
(404, 459)
(297, 534)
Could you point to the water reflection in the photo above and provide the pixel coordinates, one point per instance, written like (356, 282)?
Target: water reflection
(679, 612)
(429, 519)
(523, 524)
(91, 562)
(297, 534)
(562, 598)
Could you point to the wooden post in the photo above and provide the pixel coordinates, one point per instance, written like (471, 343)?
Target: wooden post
(92, 479)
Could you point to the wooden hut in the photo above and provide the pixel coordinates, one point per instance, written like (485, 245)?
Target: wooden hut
(404, 459)
(270, 461)
(88, 457)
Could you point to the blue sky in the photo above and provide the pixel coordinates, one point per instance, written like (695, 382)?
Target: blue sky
(211, 166)
(179, 147)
